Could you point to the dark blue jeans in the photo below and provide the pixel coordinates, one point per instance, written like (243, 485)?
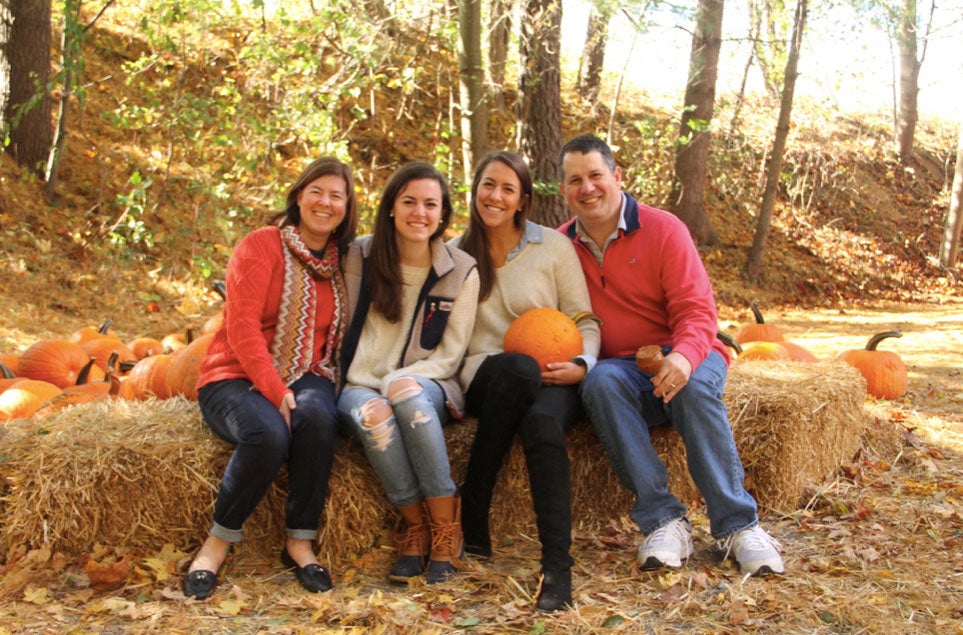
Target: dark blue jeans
(508, 397)
(242, 416)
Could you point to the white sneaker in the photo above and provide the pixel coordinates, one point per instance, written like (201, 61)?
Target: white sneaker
(667, 546)
(756, 551)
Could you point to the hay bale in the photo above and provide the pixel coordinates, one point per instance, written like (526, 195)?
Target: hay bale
(793, 423)
(142, 474)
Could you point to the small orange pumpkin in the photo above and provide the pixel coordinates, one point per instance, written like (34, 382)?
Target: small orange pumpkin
(760, 331)
(143, 347)
(102, 348)
(148, 378)
(59, 362)
(87, 333)
(547, 334)
(884, 371)
(9, 364)
(185, 368)
(23, 398)
(777, 351)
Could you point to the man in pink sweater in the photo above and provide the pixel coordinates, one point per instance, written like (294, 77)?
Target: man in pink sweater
(648, 285)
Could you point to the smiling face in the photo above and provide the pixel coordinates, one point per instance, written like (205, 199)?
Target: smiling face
(322, 204)
(498, 196)
(417, 211)
(592, 190)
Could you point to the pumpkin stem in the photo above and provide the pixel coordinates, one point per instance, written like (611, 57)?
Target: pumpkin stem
(114, 384)
(111, 364)
(189, 335)
(754, 305)
(84, 374)
(729, 341)
(879, 337)
(105, 326)
(6, 372)
(220, 288)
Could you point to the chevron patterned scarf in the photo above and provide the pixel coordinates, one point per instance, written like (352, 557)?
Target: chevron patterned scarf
(293, 341)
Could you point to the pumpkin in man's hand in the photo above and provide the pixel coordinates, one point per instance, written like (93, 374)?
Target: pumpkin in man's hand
(649, 358)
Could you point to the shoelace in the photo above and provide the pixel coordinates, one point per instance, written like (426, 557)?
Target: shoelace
(677, 529)
(753, 539)
(412, 539)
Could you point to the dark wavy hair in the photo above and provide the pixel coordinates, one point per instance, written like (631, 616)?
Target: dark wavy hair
(384, 279)
(475, 241)
(345, 232)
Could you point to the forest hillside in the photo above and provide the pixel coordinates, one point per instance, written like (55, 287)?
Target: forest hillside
(183, 139)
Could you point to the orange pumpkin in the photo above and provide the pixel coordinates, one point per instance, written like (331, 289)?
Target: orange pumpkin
(143, 347)
(174, 342)
(547, 334)
(102, 348)
(25, 397)
(884, 371)
(87, 333)
(760, 331)
(185, 368)
(777, 351)
(59, 362)
(148, 378)
(8, 364)
(213, 323)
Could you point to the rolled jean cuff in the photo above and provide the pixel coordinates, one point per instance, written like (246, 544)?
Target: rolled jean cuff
(302, 534)
(225, 534)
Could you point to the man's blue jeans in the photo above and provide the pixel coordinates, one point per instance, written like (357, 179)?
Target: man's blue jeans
(618, 399)
(242, 416)
(407, 451)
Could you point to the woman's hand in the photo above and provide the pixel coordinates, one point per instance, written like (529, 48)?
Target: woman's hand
(288, 404)
(563, 374)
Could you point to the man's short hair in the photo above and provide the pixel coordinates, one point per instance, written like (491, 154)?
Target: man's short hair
(583, 144)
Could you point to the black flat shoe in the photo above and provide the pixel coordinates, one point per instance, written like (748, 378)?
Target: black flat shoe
(313, 577)
(200, 584)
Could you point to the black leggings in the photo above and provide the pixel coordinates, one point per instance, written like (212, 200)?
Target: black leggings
(507, 396)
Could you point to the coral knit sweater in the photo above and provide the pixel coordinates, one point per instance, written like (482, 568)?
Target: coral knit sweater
(651, 286)
(241, 348)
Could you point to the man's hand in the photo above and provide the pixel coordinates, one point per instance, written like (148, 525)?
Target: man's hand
(672, 377)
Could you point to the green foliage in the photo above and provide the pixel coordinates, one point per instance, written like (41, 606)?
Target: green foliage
(130, 231)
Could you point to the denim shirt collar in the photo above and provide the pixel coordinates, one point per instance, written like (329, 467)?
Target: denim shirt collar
(533, 233)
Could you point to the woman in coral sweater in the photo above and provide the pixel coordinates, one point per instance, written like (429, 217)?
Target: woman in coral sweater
(268, 381)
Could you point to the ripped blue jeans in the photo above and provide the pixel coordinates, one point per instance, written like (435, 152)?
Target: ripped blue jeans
(406, 448)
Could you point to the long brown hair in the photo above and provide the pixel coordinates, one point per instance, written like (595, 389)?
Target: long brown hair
(475, 241)
(345, 232)
(384, 279)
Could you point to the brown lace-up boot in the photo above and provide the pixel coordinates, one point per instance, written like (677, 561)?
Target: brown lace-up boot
(447, 544)
(414, 543)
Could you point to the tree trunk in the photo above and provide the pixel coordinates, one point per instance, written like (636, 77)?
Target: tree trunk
(688, 187)
(500, 33)
(474, 106)
(6, 22)
(909, 75)
(950, 247)
(593, 56)
(771, 50)
(28, 105)
(540, 106)
(764, 221)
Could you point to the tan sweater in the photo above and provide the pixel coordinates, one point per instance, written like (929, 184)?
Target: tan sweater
(545, 273)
